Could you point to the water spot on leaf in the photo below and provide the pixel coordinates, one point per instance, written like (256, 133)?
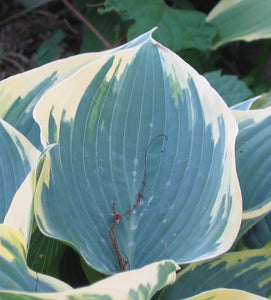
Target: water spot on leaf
(133, 227)
(131, 244)
(135, 162)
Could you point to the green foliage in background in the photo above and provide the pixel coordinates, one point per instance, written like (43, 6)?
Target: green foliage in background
(50, 49)
(130, 159)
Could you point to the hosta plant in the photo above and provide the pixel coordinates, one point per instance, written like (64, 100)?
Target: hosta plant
(130, 158)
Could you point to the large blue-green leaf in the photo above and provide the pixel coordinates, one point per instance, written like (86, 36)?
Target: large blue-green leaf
(245, 270)
(103, 119)
(241, 20)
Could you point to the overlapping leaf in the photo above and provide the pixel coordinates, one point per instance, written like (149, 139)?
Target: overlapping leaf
(253, 163)
(245, 105)
(138, 284)
(15, 276)
(245, 270)
(258, 102)
(229, 294)
(17, 104)
(263, 101)
(241, 20)
(20, 212)
(103, 119)
(17, 158)
(253, 117)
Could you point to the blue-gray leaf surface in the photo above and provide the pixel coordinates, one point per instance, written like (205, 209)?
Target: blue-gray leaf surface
(103, 119)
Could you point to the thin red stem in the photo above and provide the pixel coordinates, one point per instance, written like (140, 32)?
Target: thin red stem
(88, 24)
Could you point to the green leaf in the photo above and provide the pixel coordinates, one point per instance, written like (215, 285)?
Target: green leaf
(91, 274)
(118, 109)
(248, 270)
(50, 49)
(18, 158)
(109, 25)
(14, 273)
(45, 254)
(246, 20)
(177, 29)
(229, 87)
(184, 4)
(259, 235)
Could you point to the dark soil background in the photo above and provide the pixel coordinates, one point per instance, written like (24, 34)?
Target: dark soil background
(23, 31)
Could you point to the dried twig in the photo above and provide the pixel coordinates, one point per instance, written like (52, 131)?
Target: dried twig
(116, 220)
(13, 62)
(118, 217)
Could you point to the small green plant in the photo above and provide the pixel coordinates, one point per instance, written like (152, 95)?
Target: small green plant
(132, 160)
